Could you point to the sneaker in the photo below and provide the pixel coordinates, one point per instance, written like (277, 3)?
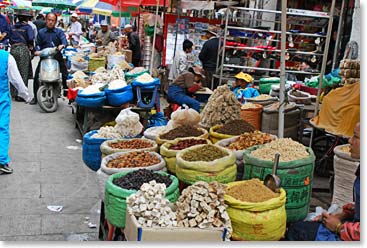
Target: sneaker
(33, 102)
(4, 168)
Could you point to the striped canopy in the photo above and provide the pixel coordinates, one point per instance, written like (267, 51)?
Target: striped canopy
(95, 7)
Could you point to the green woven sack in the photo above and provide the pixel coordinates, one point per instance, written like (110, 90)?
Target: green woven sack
(115, 198)
(296, 177)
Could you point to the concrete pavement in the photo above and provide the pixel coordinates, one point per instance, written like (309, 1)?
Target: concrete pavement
(47, 172)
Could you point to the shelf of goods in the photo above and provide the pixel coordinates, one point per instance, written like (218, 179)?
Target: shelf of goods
(301, 44)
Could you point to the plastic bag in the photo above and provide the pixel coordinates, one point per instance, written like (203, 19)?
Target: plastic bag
(333, 209)
(157, 120)
(126, 115)
(128, 124)
(184, 116)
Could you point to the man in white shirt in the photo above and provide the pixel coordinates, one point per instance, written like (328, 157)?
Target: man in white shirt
(8, 73)
(180, 63)
(75, 30)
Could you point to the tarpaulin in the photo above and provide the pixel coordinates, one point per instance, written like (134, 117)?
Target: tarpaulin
(340, 110)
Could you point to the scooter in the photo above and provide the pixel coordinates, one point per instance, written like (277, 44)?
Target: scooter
(50, 80)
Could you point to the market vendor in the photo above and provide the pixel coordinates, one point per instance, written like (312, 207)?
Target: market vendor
(344, 226)
(134, 44)
(75, 30)
(186, 83)
(180, 63)
(105, 35)
(242, 87)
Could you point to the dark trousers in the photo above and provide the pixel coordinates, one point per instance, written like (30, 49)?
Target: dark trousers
(63, 70)
(178, 95)
(208, 79)
(302, 231)
(135, 62)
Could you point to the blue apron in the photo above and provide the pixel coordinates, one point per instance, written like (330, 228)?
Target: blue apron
(5, 104)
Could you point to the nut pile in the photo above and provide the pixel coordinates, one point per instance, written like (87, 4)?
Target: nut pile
(182, 144)
(204, 153)
(251, 191)
(235, 127)
(135, 179)
(133, 160)
(222, 107)
(288, 149)
(181, 132)
(150, 207)
(131, 144)
(247, 140)
(345, 149)
(249, 105)
(202, 205)
(262, 97)
(297, 94)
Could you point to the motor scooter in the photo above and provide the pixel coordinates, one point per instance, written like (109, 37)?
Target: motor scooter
(50, 80)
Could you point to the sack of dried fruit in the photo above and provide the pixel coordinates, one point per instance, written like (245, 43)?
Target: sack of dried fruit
(238, 144)
(230, 129)
(134, 160)
(206, 163)
(182, 132)
(126, 145)
(170, 149)
(256, 212)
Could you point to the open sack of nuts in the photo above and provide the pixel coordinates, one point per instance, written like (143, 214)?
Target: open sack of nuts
(133, 160)
(125, 145)
(200, 206)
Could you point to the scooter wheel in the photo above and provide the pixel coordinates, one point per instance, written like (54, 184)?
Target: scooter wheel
(47, 98)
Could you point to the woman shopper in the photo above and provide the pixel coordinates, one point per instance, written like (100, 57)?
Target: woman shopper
(185, 84)
(22, 42)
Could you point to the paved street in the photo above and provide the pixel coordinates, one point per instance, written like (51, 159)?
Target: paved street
(46, 172)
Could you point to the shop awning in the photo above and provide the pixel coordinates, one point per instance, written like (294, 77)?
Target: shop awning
(95, 7)
(56, 4)
(136, 2)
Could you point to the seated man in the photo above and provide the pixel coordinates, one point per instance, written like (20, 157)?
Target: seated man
(186, 83)
(242, 88)
(334, 227)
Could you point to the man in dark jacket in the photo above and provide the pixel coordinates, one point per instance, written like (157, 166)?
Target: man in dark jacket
(208, 55)
(134, 44)
(40, 22)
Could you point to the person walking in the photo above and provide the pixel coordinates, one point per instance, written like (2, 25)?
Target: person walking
(4, 30)
(134, 44)
(75, 30)
(21, 41)
(208, 55)
(8, 73)
(180, 63)
(40, 22)
(50, 36)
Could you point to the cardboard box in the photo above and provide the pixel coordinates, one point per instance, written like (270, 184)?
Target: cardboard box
(128, 55)
(134, 232)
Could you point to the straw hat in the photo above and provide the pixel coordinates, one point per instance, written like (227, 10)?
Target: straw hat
(212, 30)
(244, 76)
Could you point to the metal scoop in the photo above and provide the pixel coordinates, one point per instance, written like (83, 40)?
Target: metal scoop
(272, 181)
